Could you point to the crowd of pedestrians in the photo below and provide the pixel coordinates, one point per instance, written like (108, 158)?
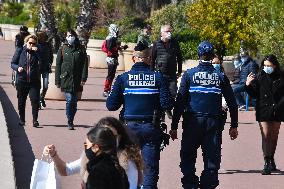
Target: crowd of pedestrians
(125, 152)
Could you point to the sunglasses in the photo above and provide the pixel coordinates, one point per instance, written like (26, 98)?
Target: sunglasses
(31, 43)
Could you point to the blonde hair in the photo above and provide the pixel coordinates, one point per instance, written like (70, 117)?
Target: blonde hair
(31, 36)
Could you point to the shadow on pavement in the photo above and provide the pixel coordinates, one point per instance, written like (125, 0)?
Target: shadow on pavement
(79, 126)
(250, 171)
(22, 153)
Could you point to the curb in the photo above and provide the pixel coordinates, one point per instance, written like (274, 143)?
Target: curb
(7, 178)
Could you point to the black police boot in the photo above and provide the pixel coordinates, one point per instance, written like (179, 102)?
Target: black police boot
(273, 165)
(267, 166)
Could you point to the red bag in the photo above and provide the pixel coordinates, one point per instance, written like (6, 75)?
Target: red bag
(104, 48)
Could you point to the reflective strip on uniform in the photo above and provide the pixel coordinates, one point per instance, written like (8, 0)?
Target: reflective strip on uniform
(140, 91)
(201, 89)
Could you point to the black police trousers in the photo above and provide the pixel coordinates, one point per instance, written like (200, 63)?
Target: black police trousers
(207, 133)
(23, 90)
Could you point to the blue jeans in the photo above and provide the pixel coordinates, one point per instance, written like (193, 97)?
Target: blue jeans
(207, 133)
(71, 106)
(149, 138)
(238, 90)
(45, 82)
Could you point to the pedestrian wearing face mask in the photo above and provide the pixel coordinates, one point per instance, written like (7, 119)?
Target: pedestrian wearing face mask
(26, 63)
(144, 37)
(111, 46)
(268, 89)
(167, 58)
(71, 73)
(103, 167)
(236, 76)
(248, 65)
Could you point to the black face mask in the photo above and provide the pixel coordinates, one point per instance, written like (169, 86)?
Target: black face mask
(30, 51)
(90, 154)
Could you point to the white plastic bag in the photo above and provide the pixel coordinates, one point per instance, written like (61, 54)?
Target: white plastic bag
(44, 175)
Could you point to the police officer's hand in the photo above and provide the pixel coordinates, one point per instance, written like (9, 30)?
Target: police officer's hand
(173, 134)
(233, 132)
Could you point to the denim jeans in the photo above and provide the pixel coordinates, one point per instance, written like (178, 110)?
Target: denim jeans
(71, 106)
(207, 133)
(238, 90)
(149, 138)
(45, 82)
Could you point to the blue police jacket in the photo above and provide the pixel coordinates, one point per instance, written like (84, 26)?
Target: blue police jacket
(200, 94)
(140, 91)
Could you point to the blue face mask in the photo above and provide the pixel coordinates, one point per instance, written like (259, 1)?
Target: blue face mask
(217, 67)
(237, 63)
(268, 69)
(244, 59)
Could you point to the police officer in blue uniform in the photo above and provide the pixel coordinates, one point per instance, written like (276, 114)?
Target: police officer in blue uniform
(199, 101)
(143, 93)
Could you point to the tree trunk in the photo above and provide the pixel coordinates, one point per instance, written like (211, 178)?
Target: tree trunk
(47, 23)
(86, 20)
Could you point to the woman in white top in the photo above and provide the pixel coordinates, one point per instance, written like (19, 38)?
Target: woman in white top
(128, 154)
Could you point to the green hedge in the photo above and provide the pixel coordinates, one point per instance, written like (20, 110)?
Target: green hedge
(14, 13)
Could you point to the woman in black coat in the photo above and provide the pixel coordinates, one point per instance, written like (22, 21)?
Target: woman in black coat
(103, 166)
(26, 63)
(268, 89)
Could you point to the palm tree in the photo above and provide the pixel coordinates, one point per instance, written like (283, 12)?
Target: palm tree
(86, 20)
(47, 22)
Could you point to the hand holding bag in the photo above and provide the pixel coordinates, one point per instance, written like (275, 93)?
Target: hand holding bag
(44, 175)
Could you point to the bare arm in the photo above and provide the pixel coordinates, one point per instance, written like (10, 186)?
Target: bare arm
(59, 163)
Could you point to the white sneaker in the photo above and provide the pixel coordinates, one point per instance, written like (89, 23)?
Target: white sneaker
(242, 108)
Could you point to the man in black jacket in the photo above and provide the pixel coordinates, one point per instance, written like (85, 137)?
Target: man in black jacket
(166, 57)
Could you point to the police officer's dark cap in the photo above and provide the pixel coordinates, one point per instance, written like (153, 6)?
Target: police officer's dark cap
(141, 50)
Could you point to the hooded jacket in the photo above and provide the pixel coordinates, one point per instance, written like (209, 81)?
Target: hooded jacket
(71, 68)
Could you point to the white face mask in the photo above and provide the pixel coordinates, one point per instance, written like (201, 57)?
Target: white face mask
(70, 40)
(268, 69)
(169, 35)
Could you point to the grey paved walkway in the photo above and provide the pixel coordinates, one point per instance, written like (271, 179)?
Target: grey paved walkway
(241, 160)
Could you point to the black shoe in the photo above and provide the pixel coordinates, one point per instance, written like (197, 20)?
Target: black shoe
(267, 166)
(273, 165)
(70, 126)
(22, 123)
(35, 124)
(169, 114)
(42, 102)
(105, 94)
